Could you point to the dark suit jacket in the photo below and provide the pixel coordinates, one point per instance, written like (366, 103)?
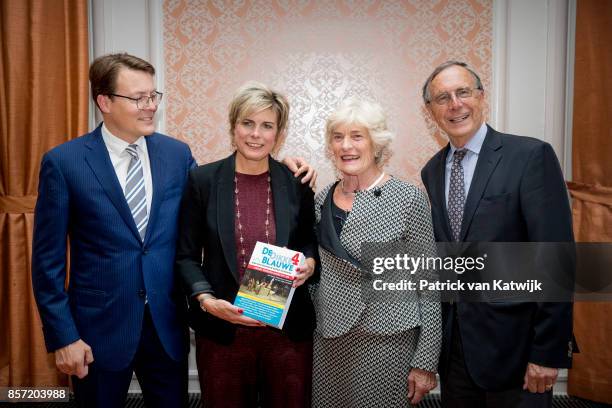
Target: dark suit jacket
(111, 269)
(517, 194)
(207, 226)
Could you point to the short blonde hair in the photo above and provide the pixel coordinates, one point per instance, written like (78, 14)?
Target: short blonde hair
(369, 114)
(253, 97)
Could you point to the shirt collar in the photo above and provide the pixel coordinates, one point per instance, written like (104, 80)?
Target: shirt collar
(116, 145)
(475, 143)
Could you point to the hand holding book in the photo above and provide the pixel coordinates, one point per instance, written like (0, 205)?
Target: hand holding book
(224, 310)
(304, 272)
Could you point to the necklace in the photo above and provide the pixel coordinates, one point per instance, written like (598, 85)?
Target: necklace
(241, 238)
(369, 188)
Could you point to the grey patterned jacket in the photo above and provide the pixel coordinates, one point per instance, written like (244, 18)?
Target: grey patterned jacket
(396, 211)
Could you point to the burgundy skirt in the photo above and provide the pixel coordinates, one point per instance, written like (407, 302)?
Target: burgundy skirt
(261, 367)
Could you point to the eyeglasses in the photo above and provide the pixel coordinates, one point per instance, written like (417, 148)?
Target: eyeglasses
(144, 101)
(462, 93)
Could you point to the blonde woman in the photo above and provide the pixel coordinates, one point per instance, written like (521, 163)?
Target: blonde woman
(228, 206)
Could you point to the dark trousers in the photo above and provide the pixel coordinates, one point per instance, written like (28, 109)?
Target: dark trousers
(459, 391)
(261, 367)
(163, 381)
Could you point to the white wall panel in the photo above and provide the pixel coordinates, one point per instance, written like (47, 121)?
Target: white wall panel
(533, 71)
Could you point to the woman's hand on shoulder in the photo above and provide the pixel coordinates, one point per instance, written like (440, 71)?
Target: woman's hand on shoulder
(420, 382)
(224, 310)
(304, 272)
(299, 166)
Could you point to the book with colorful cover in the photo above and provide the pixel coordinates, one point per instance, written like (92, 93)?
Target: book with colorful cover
(267, 288)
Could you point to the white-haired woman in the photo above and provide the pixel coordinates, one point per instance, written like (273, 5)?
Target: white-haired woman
(369, 352)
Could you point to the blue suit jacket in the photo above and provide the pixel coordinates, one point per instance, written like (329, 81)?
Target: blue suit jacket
(112, 271)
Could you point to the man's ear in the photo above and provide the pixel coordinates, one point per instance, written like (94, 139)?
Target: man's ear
(103, 103)
(427, 107)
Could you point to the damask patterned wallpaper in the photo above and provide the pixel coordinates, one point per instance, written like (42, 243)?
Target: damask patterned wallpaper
(317, 52)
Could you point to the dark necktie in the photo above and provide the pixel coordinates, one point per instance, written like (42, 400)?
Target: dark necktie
(456, 194)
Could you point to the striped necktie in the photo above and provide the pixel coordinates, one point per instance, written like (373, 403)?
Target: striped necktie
(135, 191)
(456, 194)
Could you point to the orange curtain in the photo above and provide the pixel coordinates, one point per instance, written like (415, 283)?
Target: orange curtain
(43, 102)
(591, 190)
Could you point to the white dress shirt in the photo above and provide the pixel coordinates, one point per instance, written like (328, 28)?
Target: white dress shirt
(473, 147)
(120, 159)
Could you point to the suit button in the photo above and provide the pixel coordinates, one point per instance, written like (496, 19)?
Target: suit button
(142, 293)
(145, 251)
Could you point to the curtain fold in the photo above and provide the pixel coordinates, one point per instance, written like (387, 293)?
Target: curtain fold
(43, 102)
(591, 190)
(591, 375)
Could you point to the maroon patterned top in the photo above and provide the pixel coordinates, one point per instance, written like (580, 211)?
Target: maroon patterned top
(252, 195)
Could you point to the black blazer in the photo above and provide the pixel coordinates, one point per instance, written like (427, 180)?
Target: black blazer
(206, 249)
(517, 194)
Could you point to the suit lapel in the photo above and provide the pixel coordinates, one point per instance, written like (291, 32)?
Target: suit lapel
(281, 203)
(225, 213)
(326, 232)
(488, 159)
(99, 161)
(158, 177)
(439, 192)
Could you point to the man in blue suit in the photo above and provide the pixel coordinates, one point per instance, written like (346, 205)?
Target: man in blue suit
(114, 194)
(487, 186)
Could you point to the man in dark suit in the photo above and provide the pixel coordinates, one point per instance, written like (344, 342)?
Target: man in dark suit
(114, 194)
(487, 186)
